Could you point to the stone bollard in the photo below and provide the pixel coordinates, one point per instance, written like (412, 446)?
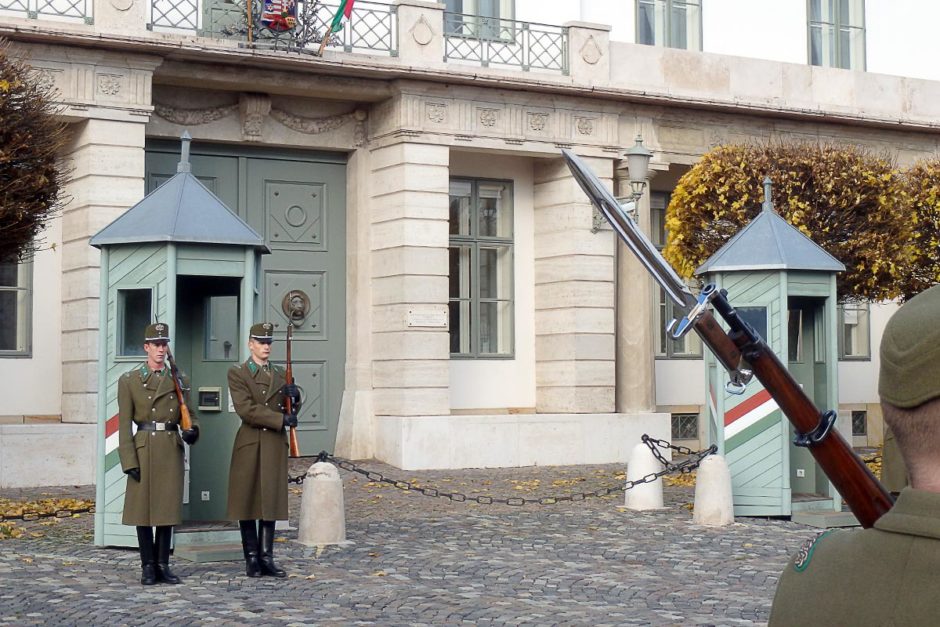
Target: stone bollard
(713, 503)
(645, 495)
(322, 513)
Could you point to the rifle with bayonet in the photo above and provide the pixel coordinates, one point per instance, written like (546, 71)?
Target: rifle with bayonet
(744, 354)
(294, 448)
(186, 421)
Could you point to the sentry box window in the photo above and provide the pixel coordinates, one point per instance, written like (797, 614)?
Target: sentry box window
(210, 399)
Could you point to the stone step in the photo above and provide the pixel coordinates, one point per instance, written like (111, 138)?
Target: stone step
(825, 519)
(201, 553)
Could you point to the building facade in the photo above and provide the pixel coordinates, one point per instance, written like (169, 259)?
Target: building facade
(462, 310)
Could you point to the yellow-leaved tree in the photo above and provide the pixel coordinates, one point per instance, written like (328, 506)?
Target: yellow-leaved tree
(922, 189)
(847, 200)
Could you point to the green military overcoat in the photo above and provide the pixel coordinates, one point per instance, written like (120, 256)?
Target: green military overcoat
(257, 482)
(146, 396)
(886, 575)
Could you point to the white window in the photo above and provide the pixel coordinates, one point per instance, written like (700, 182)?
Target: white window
(854, 334)
(479, 19)
(481, 272)
(16, 282)
(690, 345)
(670, 23)
(837, 33)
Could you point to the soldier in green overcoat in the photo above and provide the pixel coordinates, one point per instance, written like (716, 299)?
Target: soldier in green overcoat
(151, 451)
(886, 575)
(257, 493)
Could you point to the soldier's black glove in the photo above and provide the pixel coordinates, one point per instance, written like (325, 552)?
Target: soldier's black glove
(133, 473)
(190, 435)
(290, 420)
(292, 392)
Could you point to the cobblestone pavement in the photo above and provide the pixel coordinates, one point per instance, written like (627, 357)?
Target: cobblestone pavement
(418, 560)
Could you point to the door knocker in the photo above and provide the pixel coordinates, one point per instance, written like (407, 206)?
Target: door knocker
(296, 306)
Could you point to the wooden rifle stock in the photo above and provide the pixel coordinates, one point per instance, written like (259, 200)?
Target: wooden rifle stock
(294, 450)
(863, 493)
(186, 421)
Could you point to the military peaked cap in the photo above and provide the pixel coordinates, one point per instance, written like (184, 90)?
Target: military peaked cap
(157, 332)
(262, 331)
(910, 352)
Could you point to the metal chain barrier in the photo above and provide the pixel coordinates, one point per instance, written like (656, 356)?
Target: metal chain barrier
(59, 513)
(686, 466)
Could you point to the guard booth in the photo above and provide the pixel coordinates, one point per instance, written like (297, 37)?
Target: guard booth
(783, 285)
(179, 256)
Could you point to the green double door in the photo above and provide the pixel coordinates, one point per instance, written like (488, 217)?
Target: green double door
(297, 202)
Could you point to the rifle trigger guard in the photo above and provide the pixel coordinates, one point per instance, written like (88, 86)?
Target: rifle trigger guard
(818, 434)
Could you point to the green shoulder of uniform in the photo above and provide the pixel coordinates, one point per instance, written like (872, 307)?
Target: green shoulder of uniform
(805, 554)
(277, 368)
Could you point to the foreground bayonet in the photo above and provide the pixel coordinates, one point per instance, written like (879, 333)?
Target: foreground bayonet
(744, 354)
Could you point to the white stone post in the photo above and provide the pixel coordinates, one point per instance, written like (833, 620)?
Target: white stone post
(713, 502)
(574, 295)
(645, 495)
(589, 52)
(322, 507)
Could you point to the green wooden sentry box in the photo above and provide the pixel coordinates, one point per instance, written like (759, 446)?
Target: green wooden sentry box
(785, 286)
(180, 229)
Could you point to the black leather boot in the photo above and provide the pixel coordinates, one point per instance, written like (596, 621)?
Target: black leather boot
(249, 531)
(268, 567)
(148, 575)
(164, 539)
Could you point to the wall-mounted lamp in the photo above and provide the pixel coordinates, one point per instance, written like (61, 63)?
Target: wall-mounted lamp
(638, 161)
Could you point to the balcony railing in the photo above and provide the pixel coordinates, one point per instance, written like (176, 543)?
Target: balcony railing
(372, 26)
(68, 10)
(495, 42)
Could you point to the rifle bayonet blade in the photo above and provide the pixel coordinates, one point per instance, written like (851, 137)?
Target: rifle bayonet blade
(630, 233)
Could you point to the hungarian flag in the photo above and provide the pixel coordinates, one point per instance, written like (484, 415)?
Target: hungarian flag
(344, 10)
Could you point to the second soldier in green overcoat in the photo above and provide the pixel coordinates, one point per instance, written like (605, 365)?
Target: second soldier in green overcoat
(257, 495)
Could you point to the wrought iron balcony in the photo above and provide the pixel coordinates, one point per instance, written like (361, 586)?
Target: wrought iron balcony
(496, 42)
(372, 26)
(67, 10)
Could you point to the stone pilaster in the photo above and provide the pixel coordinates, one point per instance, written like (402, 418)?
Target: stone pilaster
(574, 295)
(421, 37)
(636, 383)
(410, 343)
(107, 178)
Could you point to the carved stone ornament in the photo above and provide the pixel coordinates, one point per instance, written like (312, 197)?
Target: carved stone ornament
(537, 121)
(437, 112)
(360, 134)
(591, 53)
(422, 32)
(585, 126)
(313, 126)
(488, 117)
(109, 84)
(122, 5)
(193, 117)
(45, 78)
(254, 109)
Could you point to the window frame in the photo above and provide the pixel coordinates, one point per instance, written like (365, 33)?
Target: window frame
(677, 418)
(840, 331)
(667, 29)
(24, 284)
(475, 242)
(454, 21)
(663, 305)
(837, 25)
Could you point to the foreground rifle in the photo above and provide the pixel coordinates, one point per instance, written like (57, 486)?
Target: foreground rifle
(288, 403)
(186, 421)
(744, 354)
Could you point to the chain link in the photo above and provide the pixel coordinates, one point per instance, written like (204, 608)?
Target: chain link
(59, 513)
(686, 466)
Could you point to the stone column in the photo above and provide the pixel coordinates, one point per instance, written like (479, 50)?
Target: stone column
(420, 33)
(636, 383)
(107, 178)
(409, 196)
(574, 295)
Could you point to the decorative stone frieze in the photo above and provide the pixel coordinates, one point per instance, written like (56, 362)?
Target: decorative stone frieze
(193, 117)
(312, 126)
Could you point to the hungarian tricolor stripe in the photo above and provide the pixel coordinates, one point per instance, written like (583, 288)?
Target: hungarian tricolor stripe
(749, 412)
(344, 11)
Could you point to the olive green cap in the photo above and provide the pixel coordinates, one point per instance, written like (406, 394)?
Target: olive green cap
(262, 332)
(910, 352)
(157, 332)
